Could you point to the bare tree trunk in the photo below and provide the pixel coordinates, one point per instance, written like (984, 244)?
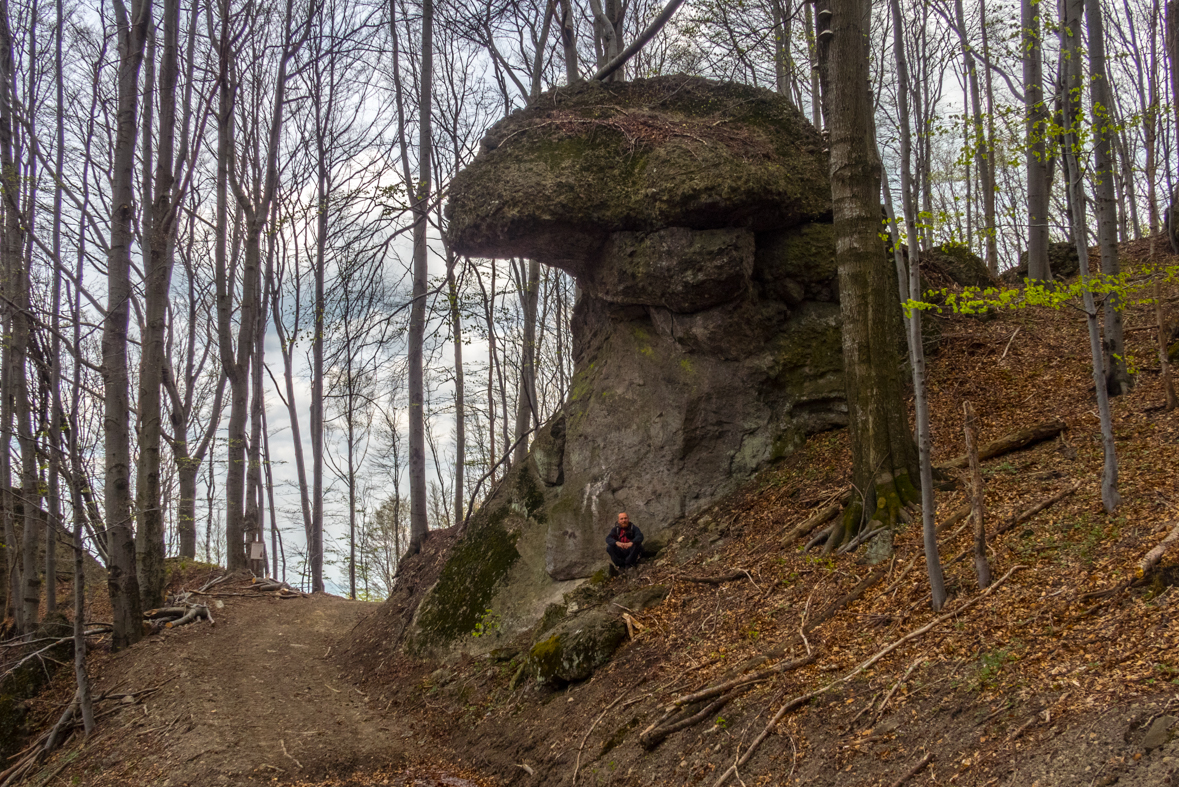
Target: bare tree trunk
(781, 32)
(1117, 375)
(569, 43)
(460, 410)
(159, 228)
(982, 568)
(56, 422)
(257, 210)
(1070, 47)
(122, 579)
(418, 523)
(883, 453)
(285, 349)
(816, 110)
(978, 143)
(912, 289)
(1164, 362)
(1035, 129)
(526, 412)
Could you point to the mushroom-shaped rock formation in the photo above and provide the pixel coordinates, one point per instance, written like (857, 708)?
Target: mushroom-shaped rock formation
(695, 216)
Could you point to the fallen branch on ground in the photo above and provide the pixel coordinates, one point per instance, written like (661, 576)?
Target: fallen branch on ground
(1154, 556)
(668, 724)
(1004, 445)
(859, 590)
(917, 766)
(732, 576)
(821, 515)
(577, 765)
(1037, 508)
(281, 589)
(1007, 444)
(804, 698)
(194, 613)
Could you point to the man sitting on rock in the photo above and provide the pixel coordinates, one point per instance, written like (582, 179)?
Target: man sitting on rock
(624, 543)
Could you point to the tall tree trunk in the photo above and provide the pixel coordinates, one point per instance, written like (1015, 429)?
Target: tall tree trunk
(978, 143)
(460, 409)
(1035, 129)
(526, 412)
(323, 184)
(569, 43)
(781, 32)
(884, 456)
(57, 421)
(816, 111)
(418, 523)
(122, 579)
(1117, 375)
(910, 289)
(158, 232)
(1071, 63)
(285, 348)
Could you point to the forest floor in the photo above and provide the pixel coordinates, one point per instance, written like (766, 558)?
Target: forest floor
(1056, 676)
(253, 699)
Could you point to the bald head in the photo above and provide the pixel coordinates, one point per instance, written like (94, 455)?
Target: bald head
(623, 519)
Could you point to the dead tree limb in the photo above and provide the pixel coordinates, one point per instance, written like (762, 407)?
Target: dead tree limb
(196, 612)
(667, 724)
(1037, 433)
(982, 568)
(732, 576)
(917, 766)
(1037, 508)
(859, 590)
(1155, 555)
(652, 738)
(821, 515)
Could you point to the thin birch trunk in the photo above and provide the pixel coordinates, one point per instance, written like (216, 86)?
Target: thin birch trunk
(1117, 375)
(1070, 35)
(418, 522)
(912, 289)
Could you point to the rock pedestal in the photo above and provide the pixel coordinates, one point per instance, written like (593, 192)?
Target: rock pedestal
(695, 217)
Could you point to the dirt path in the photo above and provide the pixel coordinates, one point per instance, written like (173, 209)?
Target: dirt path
(251, 700)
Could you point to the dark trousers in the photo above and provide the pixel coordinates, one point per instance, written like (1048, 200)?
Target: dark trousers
(623, 557)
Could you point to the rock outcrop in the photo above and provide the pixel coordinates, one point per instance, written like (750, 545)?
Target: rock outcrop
(695, 217)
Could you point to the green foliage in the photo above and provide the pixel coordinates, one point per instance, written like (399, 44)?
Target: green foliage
(1126, 287)
(489, 622)
(990, 667)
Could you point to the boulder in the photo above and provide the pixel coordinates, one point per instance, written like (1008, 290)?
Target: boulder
(695, 216)
(1063, 261)
(953, 263)
(572, 649)
(555, 180)
(575, 648)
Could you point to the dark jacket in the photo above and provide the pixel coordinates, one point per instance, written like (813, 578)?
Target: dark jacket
(634, 534)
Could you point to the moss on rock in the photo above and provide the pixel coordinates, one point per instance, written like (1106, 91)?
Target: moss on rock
(467, 582)
(576, 648)
(552, 180)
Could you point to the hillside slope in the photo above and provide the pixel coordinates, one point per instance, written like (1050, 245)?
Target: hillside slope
(1044, 680)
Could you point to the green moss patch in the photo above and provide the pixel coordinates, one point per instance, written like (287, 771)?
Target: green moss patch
(468, 581)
